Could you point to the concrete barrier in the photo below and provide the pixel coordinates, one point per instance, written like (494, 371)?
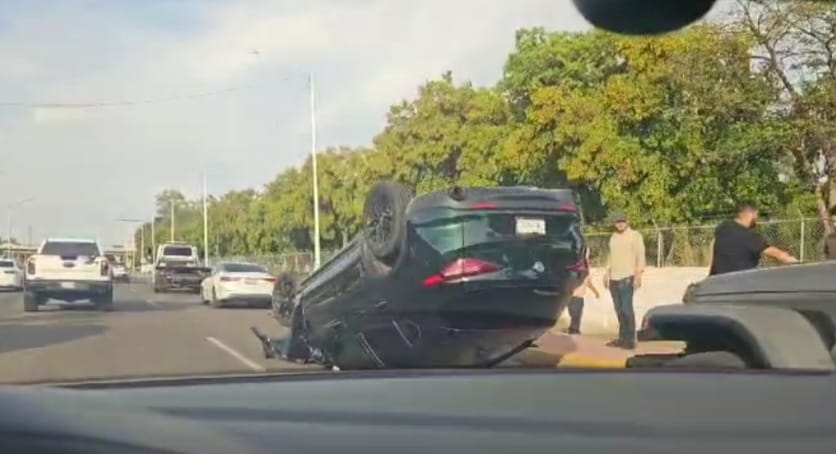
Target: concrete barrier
(659, 286)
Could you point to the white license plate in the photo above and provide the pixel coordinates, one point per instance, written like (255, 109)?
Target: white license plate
(251, 281)
(531, 226)
(68, 285)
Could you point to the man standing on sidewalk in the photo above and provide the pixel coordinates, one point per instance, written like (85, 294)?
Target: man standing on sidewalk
(625, 265)
(738, 246)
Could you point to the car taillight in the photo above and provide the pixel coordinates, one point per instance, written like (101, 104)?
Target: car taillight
(228, 279)
(270, 279)
(483, 206)
(459, 269)
(30, 267)
(578, 266)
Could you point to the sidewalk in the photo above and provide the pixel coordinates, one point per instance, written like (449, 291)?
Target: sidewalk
(556, 349)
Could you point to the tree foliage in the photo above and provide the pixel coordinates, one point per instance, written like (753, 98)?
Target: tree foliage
(673, 128)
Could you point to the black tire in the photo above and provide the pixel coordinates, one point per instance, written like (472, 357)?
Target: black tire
(384, 221)
(31, 301)
(712, 360)
(104, 302)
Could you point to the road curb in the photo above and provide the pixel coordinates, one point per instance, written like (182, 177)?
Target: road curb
(588, 361)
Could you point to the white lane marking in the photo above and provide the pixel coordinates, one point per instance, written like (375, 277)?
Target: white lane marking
(235, 354)
(153, 303)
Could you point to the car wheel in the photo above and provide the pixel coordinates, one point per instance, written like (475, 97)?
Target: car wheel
(30, 301)
(104, 302)
(384, 220)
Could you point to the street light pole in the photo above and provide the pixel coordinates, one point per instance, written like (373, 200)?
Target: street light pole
(9, 235)
(205, 226)
(153, 239)
(313, 169)
(171, 205)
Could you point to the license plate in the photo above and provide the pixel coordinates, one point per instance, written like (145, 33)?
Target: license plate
(68, 285)
(531, 226)
(251, 281)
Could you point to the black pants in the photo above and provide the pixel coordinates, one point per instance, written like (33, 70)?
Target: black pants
(575, 314)
(622, 299)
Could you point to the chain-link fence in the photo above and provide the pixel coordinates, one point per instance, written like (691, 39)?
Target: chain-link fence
(665, 246)
(691, 245)
(294, 262)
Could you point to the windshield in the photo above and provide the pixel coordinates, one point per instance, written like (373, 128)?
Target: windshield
(177, 251)
(70, 249)
(409, 185)
(243, 268)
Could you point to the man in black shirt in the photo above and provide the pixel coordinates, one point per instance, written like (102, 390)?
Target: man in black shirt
(738, 247)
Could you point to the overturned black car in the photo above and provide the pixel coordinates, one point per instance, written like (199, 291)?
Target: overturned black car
(458, 278)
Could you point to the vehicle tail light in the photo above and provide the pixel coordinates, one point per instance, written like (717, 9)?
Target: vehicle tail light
(30, 266)
(459, 269)
(229, 279)
(483, 206)
(567, 207)
(578, 266)
(272, 280)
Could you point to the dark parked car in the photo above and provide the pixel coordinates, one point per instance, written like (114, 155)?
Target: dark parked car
(458, 278)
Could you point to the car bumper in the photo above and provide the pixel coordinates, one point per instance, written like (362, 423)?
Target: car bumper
(260, 300)
(10, 282)
(180, 284)
(68, 288)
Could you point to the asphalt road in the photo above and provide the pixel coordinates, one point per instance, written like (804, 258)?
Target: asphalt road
(146, 335)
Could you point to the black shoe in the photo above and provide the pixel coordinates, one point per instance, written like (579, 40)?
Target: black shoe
(614, 343)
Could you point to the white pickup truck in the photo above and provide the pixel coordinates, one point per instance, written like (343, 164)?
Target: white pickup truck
(69, 270)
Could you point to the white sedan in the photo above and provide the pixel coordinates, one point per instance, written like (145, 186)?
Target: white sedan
(233, 283)
(11, 277)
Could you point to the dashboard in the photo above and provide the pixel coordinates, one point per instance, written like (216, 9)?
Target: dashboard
(431, 412)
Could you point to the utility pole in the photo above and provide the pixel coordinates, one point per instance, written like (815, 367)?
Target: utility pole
(153, 239)
(9, 236)
(141, 244)
(313, 169)
(171, 205)
(205, 225)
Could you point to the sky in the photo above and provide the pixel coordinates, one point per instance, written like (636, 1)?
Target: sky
(216, 87)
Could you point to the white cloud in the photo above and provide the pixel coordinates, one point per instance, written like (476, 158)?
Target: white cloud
(86, 167)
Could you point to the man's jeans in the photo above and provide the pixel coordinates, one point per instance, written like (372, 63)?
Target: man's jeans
(622, 298)
(575, 314)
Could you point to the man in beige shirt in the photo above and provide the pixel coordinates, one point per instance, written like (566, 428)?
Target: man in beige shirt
(623, 276)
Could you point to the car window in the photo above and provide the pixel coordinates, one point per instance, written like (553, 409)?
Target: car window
(7, 264)
(244, 268)
(71, 248)
(459, 231)
(177, 251)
